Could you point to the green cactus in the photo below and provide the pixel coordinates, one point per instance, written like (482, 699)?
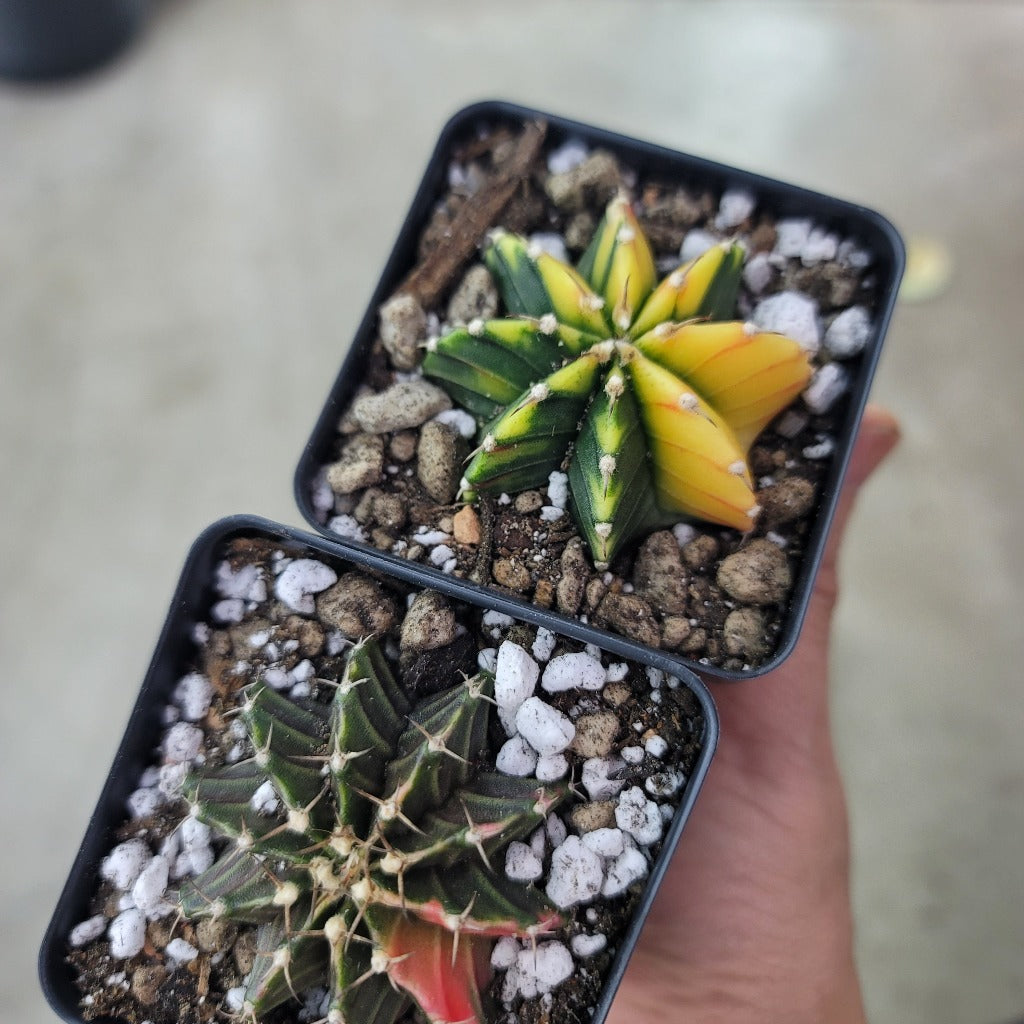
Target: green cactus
(375, 875)
(652, 400)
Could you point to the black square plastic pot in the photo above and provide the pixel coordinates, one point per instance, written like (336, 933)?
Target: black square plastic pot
(174, 656)
(868, 231)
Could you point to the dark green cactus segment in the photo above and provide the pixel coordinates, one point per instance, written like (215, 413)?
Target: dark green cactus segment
(361, 994)
(222, 798)
(719, 302)
(369, 896)
(368, 715)
(241, 887)
(517, 276)
(434, 756)
(485, 816)
(609, 476)
(290, 957)
(530, 439)
(485, 902)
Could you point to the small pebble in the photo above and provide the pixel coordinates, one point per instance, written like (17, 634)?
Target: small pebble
(629, 867)
(193, 694)
(598, 779)
(639, 816)
(735, 206)
(516, 757)
(848, 334)
(584, 946)
(522, 864)
(569, 671)
(792, 314)
(125, 862)
(300, 580)
(576, 874)
(180, 951)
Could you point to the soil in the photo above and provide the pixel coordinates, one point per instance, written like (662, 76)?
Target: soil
(502, 177)
(238, 644)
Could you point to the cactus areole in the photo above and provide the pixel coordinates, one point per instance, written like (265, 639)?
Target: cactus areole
(374, 875)
(648, 392)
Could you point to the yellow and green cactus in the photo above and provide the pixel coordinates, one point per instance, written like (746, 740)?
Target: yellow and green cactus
(373, 873)
(647, 392)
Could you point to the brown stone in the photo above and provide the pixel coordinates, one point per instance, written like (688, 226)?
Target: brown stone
(675, 631)
(786, 500)
(466, 526)
(357, 607)
(631, 616)
(511, 573)
(589, 817)
(146, 982)
(595, 734)
(429, 623)
(756, 574)
(658, 573)
(569, 592)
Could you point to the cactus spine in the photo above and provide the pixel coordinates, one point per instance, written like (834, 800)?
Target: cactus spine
(647, 389)
(374, 874)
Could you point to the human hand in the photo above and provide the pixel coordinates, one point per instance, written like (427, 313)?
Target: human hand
(752, 921)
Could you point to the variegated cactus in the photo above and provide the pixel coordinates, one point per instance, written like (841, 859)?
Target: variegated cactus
(373, 874)
(646, 389)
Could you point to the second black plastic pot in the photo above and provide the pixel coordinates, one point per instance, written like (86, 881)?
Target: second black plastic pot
(196, 609)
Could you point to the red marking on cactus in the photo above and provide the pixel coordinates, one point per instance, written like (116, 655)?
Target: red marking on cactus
(443, 974)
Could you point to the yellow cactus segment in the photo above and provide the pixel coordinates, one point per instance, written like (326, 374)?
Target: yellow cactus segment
(699, 464)
(749, 376)
(680, 295)
(572, 299)
(623, 268)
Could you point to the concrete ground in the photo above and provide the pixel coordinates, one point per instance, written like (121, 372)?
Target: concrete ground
(189, 237)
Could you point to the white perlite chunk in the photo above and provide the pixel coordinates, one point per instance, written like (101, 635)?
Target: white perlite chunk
(826, 387)
(545, 728)
(819, 247)
(84, 932)
(542, 969)
(516, 757)
(597, 780)
(544, 644)
(632, 755)
(550, 242)
(230, 610)
(193, 695)
(264, 800)
(584, 945)
(246, 584)
(735, 206)
(639, 816)
(127, 934)
(606, 842)
(573, 670)
(182, 742)
(234, 998)
(791, 235)
(144, 802)
(629, 867)
(149, 888)
(576, 874)
(664, 784)
(459, 420)
(300, 580)
(558, 489)
(346, 526)
(567, 156)
(656, 746)
(503, 956)
(696, 243)
(180, 951)
(522, 864)
(758, 272)
(551, 768)
(684, 533)
(551, 513)
(848, 333)
(792, 314)
(515, 679)
(125, 862)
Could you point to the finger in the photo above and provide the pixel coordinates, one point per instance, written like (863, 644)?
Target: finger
(878, 435)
